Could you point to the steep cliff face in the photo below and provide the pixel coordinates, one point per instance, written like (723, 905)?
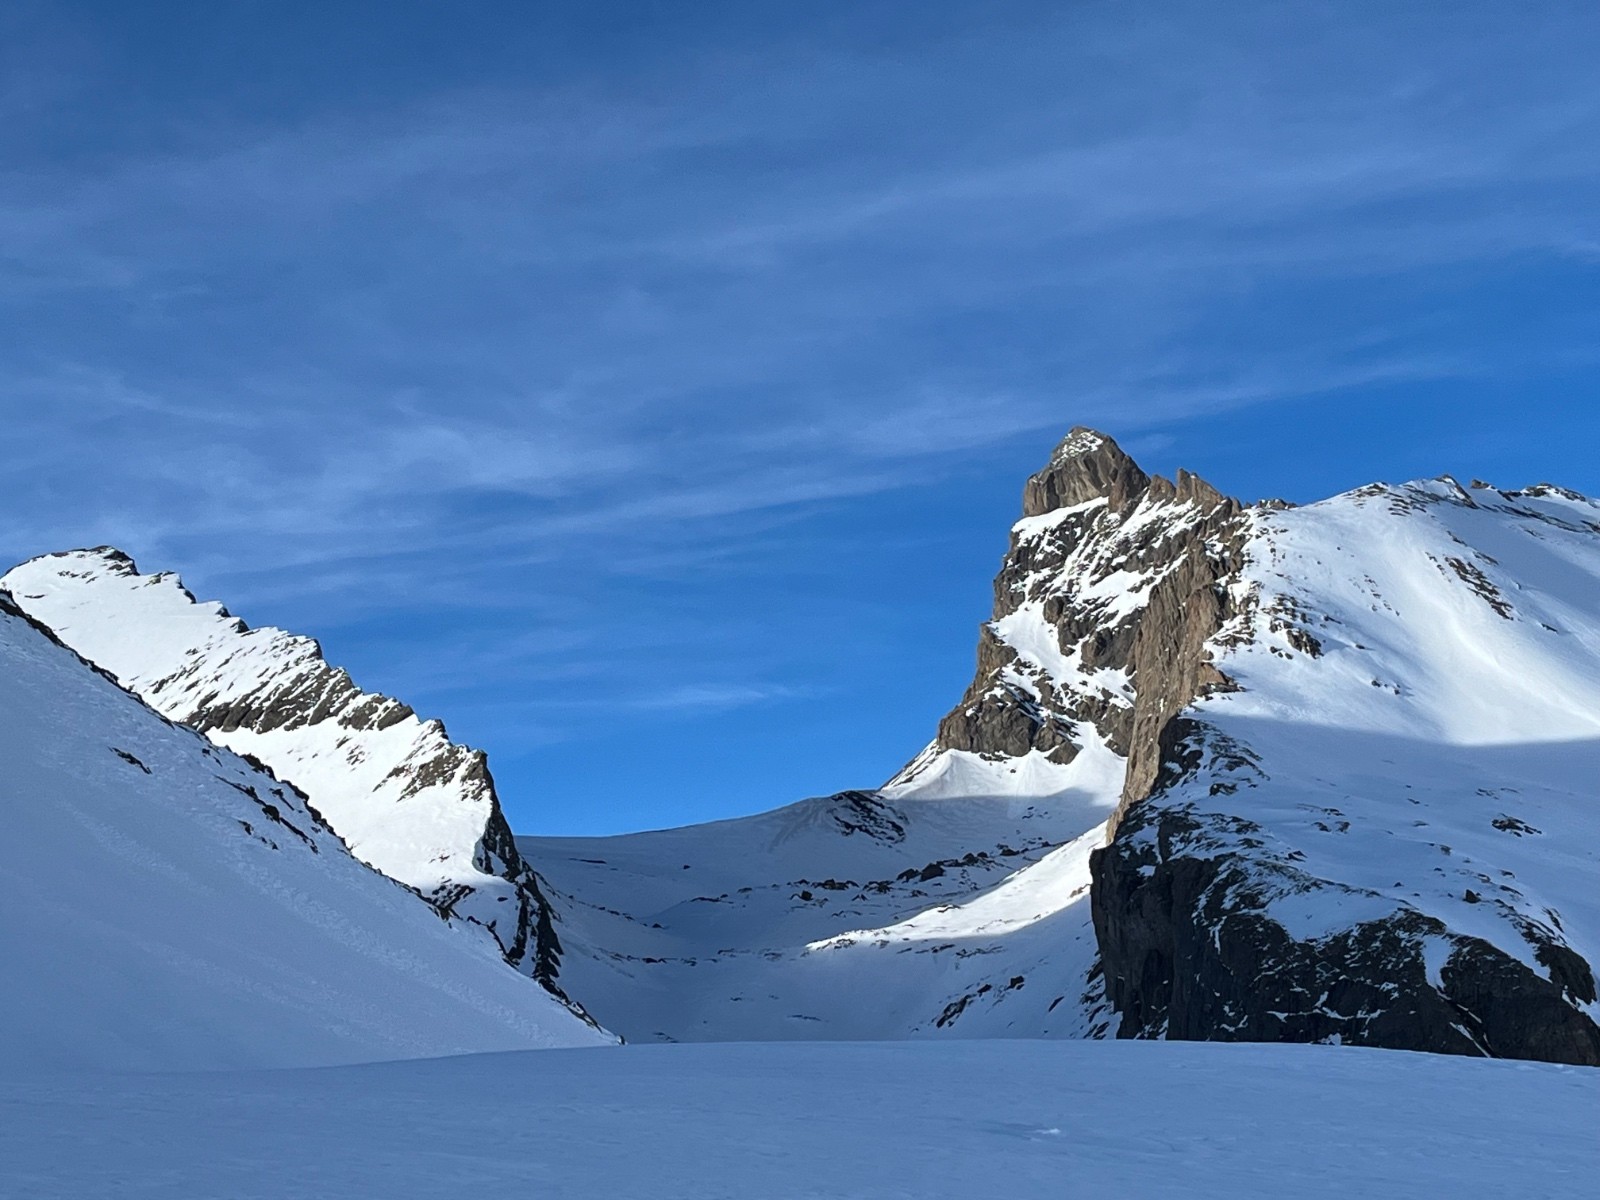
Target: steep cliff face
(1113, 584)
(404, 797)
(1385, 832)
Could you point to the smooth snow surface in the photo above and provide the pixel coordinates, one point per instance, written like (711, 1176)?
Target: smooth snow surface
(907, 1121)
(168, 905)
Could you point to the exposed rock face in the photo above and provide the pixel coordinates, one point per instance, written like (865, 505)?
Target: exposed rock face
(404, 797)
(1086, 466)
(1182, 903)
(1112, 586)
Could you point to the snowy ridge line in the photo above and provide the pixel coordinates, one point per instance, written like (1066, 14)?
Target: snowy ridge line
(405, 798)
(170, 905)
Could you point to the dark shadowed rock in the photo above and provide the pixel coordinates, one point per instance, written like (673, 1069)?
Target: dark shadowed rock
(1181, 905)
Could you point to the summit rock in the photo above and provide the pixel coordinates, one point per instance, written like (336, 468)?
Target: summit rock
(1086, 466)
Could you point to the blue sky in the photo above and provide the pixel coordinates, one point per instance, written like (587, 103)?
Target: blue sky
(647, 389)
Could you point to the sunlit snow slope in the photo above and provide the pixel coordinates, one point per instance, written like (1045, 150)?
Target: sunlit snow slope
(1385, 828)
(168, 905)
(404, 797)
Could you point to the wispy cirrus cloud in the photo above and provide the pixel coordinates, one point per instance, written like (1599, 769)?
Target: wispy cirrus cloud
(543, 352)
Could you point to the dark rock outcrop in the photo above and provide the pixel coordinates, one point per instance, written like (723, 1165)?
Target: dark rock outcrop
(1181, 903)
(1086, 466)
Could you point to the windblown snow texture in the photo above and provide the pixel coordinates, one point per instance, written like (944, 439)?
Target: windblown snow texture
(404, 797)
(169, 905)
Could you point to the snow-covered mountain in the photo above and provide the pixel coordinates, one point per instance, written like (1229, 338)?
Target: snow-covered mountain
(1224, 772)
(1266, 773)
(1381, 823)
(404, 797)
(170, 905)
(811, 922)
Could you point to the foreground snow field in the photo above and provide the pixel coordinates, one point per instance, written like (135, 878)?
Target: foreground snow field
(774, 1121)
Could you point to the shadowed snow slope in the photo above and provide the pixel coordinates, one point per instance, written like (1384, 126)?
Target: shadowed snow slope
(1026, 1121)
(168, 905)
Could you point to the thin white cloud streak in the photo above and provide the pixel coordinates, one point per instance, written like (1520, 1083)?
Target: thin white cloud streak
(575, 334)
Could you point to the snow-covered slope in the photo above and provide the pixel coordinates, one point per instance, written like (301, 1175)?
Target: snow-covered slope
(1385, 827)
(170, 905)
(862, 915)
(1025, 1121)
(404, 797)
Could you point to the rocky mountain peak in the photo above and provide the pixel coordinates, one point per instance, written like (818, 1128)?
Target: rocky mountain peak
(1086, 466)
(1113, 582)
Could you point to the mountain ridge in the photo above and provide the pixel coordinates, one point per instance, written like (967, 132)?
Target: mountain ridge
(173, 905)
(271, 694)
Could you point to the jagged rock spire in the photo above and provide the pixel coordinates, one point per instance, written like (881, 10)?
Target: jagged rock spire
(1150, 627)
(1087, 465)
